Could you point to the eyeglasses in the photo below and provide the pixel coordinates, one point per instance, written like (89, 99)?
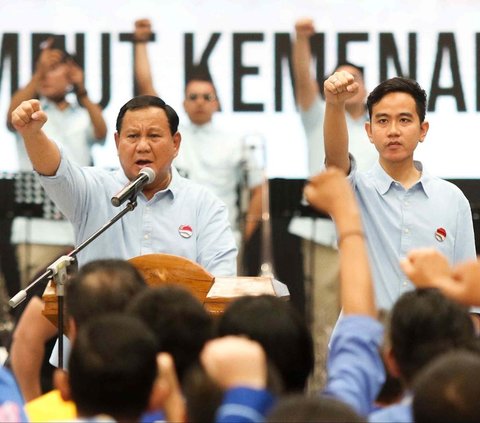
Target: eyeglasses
(206, 97)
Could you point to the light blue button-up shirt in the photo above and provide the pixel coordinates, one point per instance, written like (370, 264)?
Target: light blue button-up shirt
(185, 219)
(397, 220)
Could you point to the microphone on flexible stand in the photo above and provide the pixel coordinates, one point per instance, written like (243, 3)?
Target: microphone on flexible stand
(145, 177)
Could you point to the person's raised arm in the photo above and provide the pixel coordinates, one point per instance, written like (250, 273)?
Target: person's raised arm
(331, 192)
(27, 351)
(48, 59)
(76, 77)
(355, 371)
(306, 86)
(143, 73)
(337, 88)
(28, 119)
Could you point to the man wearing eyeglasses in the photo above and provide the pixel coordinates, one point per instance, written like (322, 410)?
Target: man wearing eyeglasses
(209, 155)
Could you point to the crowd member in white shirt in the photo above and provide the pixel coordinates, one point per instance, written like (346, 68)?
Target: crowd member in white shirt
(210, 156)
(75, 125)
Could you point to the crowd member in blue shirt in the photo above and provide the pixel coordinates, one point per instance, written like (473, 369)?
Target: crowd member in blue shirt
(403, 207)
(355, 371)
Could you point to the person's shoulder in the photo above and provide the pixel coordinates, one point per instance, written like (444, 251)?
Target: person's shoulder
(446, 186)
(198, 194)
(394, 413)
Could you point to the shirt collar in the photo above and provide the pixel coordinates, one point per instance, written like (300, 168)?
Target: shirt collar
(383, 181)
(48, 104)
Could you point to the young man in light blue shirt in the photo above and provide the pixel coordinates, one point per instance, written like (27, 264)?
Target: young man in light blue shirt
(403, 207)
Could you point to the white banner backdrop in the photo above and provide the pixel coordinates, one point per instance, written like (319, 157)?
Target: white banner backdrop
(433, 40)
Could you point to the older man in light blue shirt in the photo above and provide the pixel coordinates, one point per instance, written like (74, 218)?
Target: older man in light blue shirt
(155, 226)
(173, 216)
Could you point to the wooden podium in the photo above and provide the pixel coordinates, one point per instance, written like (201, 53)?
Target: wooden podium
(213, 292)
(162, 269)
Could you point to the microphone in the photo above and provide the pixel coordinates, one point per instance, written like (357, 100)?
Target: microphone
(145, 177)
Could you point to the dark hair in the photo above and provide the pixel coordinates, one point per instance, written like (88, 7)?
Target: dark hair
(178, 320)
(202, 395)
(403, 85)
(281, 331)
(101, 286)
(447, 390)
(199, 73)
(112, 367)
(425, 324)
(305, 409)
(144, 101)
(202, 74)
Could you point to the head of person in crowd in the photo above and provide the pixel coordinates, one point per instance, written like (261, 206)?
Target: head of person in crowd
(52, 69)
(179, 321)
(201, 100)
(147, 136)
(55, 81)
(311, 409)
(425, 324)
(99, 287)
(279, 329)
(112, 368)
(448, 389)
(397, 123)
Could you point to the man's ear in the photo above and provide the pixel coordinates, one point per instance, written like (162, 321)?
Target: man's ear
(159, 394)
(62, 383)
(72, 329)
(177, 140)
(117, 138)
(424, 126)
(368, 130)
(391, 363)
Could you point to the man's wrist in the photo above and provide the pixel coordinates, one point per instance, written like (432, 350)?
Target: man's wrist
(80, 92)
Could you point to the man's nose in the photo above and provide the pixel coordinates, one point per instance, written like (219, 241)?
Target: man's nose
(393, 128)
(143, 144)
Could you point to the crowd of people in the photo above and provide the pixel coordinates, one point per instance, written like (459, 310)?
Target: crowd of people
(392, 280)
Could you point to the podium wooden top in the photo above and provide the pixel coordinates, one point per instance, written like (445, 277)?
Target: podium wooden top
(161, 269)
(215, 293)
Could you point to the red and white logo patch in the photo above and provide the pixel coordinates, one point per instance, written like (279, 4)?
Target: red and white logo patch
(185, 231)
(440, 234)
